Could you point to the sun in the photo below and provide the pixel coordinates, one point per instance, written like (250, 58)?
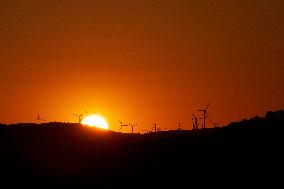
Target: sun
(95, 121)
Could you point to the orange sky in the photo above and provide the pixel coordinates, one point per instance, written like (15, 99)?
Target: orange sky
(140, 61)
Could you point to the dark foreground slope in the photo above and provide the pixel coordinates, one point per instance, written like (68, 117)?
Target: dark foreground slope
(250, 150)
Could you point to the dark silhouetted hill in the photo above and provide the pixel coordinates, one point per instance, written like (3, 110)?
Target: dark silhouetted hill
(245, 151)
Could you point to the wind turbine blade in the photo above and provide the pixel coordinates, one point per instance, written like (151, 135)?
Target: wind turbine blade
(207, 106)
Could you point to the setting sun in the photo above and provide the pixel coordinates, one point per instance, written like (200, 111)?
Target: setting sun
(95, 121)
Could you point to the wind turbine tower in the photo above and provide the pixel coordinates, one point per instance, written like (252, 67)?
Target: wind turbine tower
(204, 111)
(195, 122)
(132, 127)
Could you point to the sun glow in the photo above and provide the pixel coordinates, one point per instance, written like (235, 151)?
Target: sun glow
(95, 121)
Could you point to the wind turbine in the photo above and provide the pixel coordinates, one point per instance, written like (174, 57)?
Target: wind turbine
(195, 122)
(80, 116)
(204, 111)
(122, 125)
(215, 124)
(39, 118)
(155, 127)
(132, 127)
(179, 128)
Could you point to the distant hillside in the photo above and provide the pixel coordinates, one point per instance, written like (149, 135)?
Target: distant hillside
(242, 151)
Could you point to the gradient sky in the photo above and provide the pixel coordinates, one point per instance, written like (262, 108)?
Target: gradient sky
(140, 61)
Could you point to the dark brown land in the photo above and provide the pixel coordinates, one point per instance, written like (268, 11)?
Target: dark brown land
(241, 152)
